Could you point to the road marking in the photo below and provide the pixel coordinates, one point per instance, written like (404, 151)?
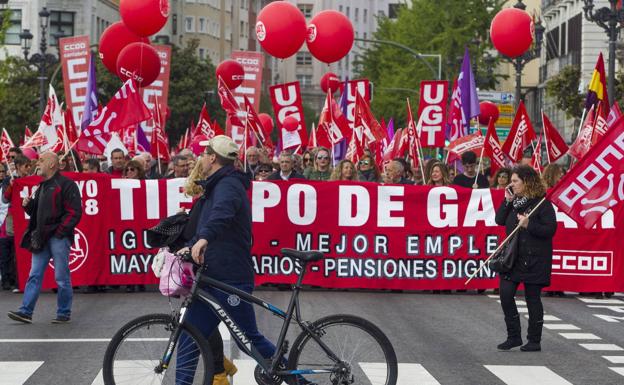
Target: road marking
(610, 347)
(409, 374)
(245, 373)
(580, 336)
(602, 301)
(17, 372)
(523, 310)
(561, 327)
(518, 301)
(614, 359)
(522, 375)
(619, 371)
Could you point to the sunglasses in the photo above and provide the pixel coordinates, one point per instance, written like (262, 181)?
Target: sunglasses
(11, 156)
(306, 159)
(264, 170)
(322, 157)
(364, 162)
(131, 169)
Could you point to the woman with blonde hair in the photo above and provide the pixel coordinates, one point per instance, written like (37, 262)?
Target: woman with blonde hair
(344, 170)
(320, 169)
(438, 175)
(552, 174)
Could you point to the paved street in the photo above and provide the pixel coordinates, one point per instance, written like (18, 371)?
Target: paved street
(439, 339)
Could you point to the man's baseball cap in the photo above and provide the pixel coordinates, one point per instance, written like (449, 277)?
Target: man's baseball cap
(222, 145)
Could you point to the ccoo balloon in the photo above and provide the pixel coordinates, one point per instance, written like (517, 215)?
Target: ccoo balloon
(330, 81)
(144, 17)
(512, 32)
(139, 61)
(281, 29)
(330, 36)
(232, 73)
(115, 38)
(267, 123)
(488, 110)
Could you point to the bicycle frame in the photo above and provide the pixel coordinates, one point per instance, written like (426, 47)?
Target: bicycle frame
(197, 293)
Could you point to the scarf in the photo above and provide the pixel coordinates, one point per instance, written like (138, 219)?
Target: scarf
(519, 203)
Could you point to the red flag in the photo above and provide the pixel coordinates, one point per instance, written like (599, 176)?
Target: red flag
(492, 148)
(27, 135)
(393, 150)
(5, 145)
(364, 119)
(37, 140)
(95, 144)
(255, 125)
(600, 126)
(473, 142)
(413, 140)
(454, 122)
(229, 103)
(520, 136)
(312, 142)
(355, 151)
(594, 185)
(556, 147)
(336, 124)
(203, 125)
(536, 159)
(159, 144)
(71, 131)
(125, 109)
(583, 141)
(614, 113)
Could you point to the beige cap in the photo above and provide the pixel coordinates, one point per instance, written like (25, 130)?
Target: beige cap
(222, 145)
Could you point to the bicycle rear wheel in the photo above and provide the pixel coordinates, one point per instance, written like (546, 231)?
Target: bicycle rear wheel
(135, 352)
(365, 353)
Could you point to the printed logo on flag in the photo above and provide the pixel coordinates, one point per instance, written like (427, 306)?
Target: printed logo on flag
(588, 263)
(260, 31)
(78, 251)
(518, 140)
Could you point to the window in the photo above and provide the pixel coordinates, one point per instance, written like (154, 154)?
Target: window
(61, 23)
(357, 14)
(306, 9)
(305, 80)
(304, 58)
(340, 8)
(189, 24)
(202, 24)
(348, 13)
(202, 54)
(15, 27)
(242, 29)
(365, 15)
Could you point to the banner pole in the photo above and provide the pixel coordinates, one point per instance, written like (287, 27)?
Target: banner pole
(502, 244)
(539, 166)
(578, 132)
(478, 169)
(545, 137)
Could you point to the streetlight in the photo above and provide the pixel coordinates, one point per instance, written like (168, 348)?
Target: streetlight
(608, 19)
(41, 59)
(416, 54)
(520, 61)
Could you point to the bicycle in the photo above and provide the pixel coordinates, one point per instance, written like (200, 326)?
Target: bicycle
(334, 350)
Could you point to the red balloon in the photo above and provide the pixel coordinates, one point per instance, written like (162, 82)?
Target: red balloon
(139, 61)
(144, 17)
(267, 123)
(512, 32)
(291, 123)
(330, 36)
(115, 38)
(488, 110)
(232, 73)
(281, 29)
(330, 81)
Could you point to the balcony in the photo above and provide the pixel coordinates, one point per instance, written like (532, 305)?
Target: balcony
(554, 66)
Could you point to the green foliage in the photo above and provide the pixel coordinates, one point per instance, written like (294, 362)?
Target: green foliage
(429, 26)
(5, 23)
(564, 88)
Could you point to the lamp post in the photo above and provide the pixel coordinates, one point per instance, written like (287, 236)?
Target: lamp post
(42, 60)
(611, 20)
(520, 61)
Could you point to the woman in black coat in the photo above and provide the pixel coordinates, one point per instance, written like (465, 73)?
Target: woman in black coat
(534, 255)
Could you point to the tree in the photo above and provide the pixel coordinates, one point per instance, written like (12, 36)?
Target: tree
(564, 89)
(428, 26)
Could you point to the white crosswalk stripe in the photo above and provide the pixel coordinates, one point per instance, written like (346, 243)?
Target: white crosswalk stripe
(18, 373)
(522, 375)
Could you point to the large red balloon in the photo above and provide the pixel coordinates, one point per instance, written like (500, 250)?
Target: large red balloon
(144, 17)
(290, 123)
(281, 29)
(330, 36)
(232, 73)
(488, 110)
(330, 81)
(512, 31)
(139, 61)
(267, 123)
(115, 38)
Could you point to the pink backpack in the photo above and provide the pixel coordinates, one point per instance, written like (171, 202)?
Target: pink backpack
(176, 277)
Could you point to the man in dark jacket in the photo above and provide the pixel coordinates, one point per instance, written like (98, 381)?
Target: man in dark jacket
(54, 212)
(287, 168)
(222, 243)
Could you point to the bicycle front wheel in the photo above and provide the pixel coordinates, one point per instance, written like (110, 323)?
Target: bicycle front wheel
(135, 353)
(366, 356)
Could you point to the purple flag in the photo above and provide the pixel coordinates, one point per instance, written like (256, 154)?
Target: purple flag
(91, 103)
(468, 91)
(390, 130)
(142, 138)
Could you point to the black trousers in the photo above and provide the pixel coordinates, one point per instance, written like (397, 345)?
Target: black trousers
(216, 345)
(7, 262)
(532, 294)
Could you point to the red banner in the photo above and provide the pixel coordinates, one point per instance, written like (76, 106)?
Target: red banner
(376, 236)
(362, 87)
(286, 100)
(252, 63)
(159, 89)
(432, 112)
(75, 55)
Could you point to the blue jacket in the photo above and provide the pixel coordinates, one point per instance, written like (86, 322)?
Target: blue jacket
(225, 222)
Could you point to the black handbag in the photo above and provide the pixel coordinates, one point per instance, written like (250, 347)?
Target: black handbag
(506, 257)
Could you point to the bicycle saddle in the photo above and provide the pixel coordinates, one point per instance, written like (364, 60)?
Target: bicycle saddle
(307, 256)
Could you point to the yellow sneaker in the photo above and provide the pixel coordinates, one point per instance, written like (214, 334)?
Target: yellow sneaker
(230, 368)
(220, 379)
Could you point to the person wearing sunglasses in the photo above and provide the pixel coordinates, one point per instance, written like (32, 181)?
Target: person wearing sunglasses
(321, 168)
(368, 171)
(134, 170)
(286, 168)
(263, 171)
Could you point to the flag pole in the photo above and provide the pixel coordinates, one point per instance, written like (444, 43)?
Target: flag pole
(545, 137)
(474, 274)
(475, 184)
(539, 166)
(578, 132)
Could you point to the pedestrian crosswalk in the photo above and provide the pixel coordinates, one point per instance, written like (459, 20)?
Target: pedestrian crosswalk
(18, 373)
